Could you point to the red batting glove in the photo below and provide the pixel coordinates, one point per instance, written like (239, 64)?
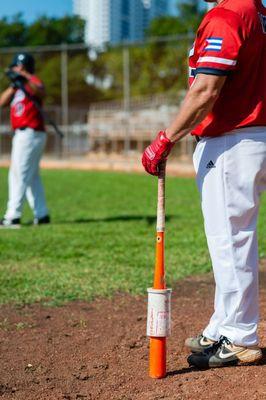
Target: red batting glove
(156, 153)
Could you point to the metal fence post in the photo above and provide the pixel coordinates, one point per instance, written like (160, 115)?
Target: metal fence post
(64, 90)
(126, 89)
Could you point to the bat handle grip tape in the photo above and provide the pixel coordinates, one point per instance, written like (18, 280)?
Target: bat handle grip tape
(161, 199)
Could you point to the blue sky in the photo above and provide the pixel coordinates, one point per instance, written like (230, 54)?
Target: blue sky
(31, 9)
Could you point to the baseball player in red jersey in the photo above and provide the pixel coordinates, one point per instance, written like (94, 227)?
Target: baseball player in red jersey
(225, 108)
(23, 96)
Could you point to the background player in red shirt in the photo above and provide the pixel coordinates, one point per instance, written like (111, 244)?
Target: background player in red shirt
(25, 96)
(226, 108)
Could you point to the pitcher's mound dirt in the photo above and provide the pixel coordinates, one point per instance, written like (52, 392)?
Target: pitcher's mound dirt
(99, 351)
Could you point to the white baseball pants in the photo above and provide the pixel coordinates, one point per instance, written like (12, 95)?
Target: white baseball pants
(24, 178)
(231, 174)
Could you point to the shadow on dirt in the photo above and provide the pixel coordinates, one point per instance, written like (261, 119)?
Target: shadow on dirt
(263, 361)
(181, 371)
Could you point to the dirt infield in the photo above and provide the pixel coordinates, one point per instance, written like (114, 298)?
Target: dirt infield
(99, 351)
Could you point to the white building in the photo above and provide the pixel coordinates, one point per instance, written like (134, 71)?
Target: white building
(97, 16)
(115, 21)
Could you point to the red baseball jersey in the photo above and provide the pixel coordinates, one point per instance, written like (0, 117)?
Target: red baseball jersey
(231, 41)
(23, 111)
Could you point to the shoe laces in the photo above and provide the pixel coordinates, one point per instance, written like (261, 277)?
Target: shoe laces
(224, 340)
(218, 345)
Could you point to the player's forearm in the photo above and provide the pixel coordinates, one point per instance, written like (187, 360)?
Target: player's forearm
(198, 102)
(193, 110)
(36, 90)
(6, 97)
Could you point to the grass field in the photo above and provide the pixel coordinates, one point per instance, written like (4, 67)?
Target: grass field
(102, 238)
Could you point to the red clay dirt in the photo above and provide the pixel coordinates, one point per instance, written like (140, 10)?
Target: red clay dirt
(99, 351)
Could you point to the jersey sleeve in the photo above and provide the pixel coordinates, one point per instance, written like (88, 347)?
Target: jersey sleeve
(36, 81)
(219, 42)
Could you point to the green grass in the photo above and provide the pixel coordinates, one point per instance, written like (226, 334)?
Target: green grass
(102, 238)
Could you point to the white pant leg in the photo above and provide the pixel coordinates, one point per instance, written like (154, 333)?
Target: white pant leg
(230, 200)
(36, 197)
(35, 191)
(27, 148)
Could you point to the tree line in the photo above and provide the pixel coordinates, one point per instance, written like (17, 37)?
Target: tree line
(154, 68)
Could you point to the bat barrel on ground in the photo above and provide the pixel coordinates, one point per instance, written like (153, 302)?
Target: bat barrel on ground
(158, 322)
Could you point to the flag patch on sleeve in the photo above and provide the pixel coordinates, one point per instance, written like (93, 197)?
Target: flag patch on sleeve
(214, 44)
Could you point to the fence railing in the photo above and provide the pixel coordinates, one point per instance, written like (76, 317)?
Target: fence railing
(124, 126)
(106, 128)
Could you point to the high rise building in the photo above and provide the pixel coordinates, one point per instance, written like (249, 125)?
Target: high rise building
(115, 21)
(126, 20)
(97, 17)
(157, 8)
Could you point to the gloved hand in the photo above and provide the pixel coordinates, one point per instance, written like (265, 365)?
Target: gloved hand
(17, 80)
(156, 153)
(16, 85)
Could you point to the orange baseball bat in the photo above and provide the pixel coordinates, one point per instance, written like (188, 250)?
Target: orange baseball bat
(157, 359)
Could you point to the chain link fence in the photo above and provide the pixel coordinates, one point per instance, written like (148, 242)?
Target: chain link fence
(110, 102)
